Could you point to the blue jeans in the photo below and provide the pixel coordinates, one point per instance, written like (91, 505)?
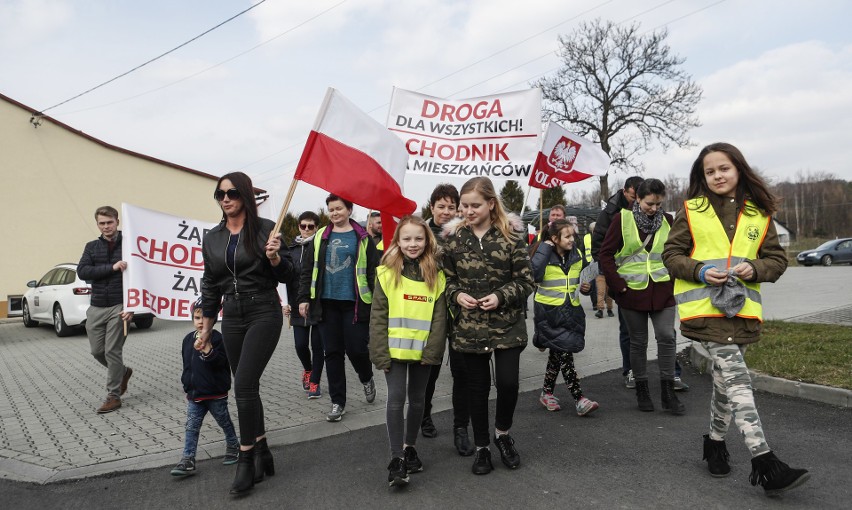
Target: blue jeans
(195, 413)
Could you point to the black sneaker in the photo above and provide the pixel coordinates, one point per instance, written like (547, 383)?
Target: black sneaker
(427, 428)
(609, 313)
(599, 314)
(185, 467)
(508, 453)
(412, 461)
(482, 462)
(397, 475)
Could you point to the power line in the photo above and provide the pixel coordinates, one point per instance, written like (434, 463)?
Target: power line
(202, 34)
(189, 77)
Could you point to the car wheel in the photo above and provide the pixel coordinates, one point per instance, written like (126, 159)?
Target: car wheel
(826, 260)
(28, 321)
(59, 325)
(144, 322)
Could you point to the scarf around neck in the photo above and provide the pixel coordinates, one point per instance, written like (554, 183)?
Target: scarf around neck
(647, 224)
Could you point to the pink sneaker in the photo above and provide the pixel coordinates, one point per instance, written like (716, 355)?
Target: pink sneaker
(550, 402)
(306, 380)
(585, 406)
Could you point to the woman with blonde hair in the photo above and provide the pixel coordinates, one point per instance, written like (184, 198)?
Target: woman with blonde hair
(488, 282)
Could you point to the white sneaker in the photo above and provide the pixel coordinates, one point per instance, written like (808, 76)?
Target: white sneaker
(629, 381)
(585, 406)
(336, 414)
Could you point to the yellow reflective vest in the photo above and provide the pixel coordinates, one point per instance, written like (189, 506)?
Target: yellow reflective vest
(587, 247)
(557, 286)
(712, 247)
(410, 308)
(636, 264)
(363, 287)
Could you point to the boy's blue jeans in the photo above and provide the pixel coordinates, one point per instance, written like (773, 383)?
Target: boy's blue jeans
(195, 412)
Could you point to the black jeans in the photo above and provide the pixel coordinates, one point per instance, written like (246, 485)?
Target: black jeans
(506, 364)
(624, 343)
(251, 328)
(461, 405)
(340, 335)
(309, 350)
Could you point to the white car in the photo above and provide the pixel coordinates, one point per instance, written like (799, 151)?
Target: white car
(61, 298)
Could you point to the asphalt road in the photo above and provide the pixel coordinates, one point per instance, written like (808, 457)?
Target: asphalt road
(616, 458)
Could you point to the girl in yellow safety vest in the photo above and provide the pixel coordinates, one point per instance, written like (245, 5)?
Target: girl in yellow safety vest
(560, 323)
(408, 331)
(723, 241)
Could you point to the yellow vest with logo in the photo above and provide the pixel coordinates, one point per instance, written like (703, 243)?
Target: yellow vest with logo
(557, 286)
(712, 247)
(636, 264)
(410, 308)
(364, 292)
(587, 246)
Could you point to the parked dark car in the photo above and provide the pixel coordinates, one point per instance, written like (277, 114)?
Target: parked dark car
(838, 251)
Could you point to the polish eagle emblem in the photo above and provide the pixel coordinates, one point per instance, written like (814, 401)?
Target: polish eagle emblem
(564, 154)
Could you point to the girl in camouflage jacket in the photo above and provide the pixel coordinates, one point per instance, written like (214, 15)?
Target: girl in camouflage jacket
(488, 283)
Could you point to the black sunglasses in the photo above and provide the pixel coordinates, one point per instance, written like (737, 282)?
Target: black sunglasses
(232, 193)
(307, 227)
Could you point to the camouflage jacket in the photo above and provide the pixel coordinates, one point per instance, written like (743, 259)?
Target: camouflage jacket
(480, 267)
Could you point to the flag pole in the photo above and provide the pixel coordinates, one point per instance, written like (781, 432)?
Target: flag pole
(526, 199)
(541, 214)
(284, 208)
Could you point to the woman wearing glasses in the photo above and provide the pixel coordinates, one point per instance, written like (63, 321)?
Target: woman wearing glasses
(243, 264)
(305, 330)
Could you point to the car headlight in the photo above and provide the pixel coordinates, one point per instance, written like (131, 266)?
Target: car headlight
(812, 255)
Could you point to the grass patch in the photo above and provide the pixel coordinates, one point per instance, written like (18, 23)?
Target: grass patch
(813, 353)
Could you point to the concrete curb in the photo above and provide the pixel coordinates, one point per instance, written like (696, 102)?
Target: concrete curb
(839, 397)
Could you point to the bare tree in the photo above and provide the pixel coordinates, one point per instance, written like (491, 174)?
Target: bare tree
(624, 88)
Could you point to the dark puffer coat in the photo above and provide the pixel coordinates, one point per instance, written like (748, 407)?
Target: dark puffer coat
(562, 328)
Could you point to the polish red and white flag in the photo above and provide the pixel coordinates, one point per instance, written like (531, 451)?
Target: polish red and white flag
(350, 154)
(565, 157)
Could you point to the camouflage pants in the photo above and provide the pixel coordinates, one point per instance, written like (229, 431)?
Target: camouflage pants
(733, 397)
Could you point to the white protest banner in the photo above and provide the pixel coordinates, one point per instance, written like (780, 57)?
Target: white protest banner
(493, 136)
(164, 263)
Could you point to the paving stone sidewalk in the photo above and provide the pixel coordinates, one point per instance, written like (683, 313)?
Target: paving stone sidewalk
(50, 388)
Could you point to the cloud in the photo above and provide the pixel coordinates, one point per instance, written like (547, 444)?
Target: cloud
(25, 22)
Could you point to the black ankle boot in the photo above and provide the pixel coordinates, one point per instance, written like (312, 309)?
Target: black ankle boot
(775, 476)
(716, 455)
(643, 397)
(482, 462)
(244, 479)
(670, 400)
(462, 442)
(427, 427)
(263, 462)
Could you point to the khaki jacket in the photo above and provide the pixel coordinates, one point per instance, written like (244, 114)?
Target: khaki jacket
(433, 351)
(770, 264)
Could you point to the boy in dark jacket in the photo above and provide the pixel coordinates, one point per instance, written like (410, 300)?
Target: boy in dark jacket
(206, 380)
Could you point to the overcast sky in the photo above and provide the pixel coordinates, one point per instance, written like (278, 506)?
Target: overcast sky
(777, 75)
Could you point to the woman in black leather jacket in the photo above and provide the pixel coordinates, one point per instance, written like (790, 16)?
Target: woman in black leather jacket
(243, 264)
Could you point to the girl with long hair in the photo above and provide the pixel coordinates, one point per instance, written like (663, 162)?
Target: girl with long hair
(722, 245)
(408, 328)
(488, 282)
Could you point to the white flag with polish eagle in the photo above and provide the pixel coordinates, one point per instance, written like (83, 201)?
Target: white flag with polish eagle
(565, 157)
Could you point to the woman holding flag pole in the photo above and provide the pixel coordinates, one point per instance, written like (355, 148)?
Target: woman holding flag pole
(243, 263)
